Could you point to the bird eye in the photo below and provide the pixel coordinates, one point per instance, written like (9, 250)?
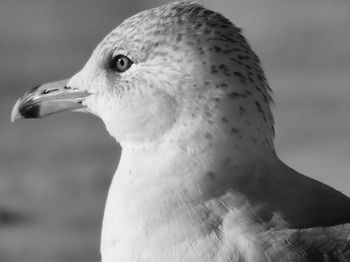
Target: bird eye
(120, 63)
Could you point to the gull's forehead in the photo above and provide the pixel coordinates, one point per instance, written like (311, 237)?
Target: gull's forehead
(174, 25)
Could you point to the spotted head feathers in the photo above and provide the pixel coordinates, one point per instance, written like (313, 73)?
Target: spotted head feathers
(190, 65)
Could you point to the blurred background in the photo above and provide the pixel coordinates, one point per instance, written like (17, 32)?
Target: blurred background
(55, 173)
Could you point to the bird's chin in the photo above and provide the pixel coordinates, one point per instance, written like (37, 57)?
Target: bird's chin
(48, 99)
(137, 133)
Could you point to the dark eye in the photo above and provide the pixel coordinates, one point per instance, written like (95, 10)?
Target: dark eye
(120, 63)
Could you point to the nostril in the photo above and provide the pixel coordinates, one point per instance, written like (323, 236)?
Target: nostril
(46, 91)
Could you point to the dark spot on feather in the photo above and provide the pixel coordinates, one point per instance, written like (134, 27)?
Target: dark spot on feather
(234, 130)
(217, 48)
(207, 31)
(241, 110)
(198, 26)
(211, 175)
(208, 136)
(179, 37)
(9, 217)
(265, 98)
(208, 12)
(234, 95)
(259, 90)
(240, 76)
(258, 105)
(229, 51)
(213, 69)
(223, 67)
(224, 119)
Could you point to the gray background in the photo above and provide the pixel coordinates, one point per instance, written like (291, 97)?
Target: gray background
(54, 173)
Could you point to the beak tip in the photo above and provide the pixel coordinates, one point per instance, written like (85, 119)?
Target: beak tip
(15, 114)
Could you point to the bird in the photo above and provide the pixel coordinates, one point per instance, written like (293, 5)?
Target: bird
(199, 179)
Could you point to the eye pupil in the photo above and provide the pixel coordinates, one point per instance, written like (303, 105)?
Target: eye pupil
(120, 63)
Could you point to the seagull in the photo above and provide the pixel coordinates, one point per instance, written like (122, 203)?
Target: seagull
(199, 179)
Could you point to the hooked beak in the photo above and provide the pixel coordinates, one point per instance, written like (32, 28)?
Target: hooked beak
(48, 99)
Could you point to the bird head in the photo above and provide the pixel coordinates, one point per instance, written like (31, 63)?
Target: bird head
(171, 67)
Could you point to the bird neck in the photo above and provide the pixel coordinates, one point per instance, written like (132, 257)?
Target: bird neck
(162, 189)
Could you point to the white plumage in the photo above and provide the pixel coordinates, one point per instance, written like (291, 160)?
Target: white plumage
(199, 180)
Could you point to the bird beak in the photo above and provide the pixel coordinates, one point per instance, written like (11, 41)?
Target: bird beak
(48, 99)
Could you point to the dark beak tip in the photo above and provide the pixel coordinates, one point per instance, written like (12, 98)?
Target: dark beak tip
(20, 111)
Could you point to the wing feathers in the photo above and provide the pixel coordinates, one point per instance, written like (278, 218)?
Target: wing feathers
(331, 244)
